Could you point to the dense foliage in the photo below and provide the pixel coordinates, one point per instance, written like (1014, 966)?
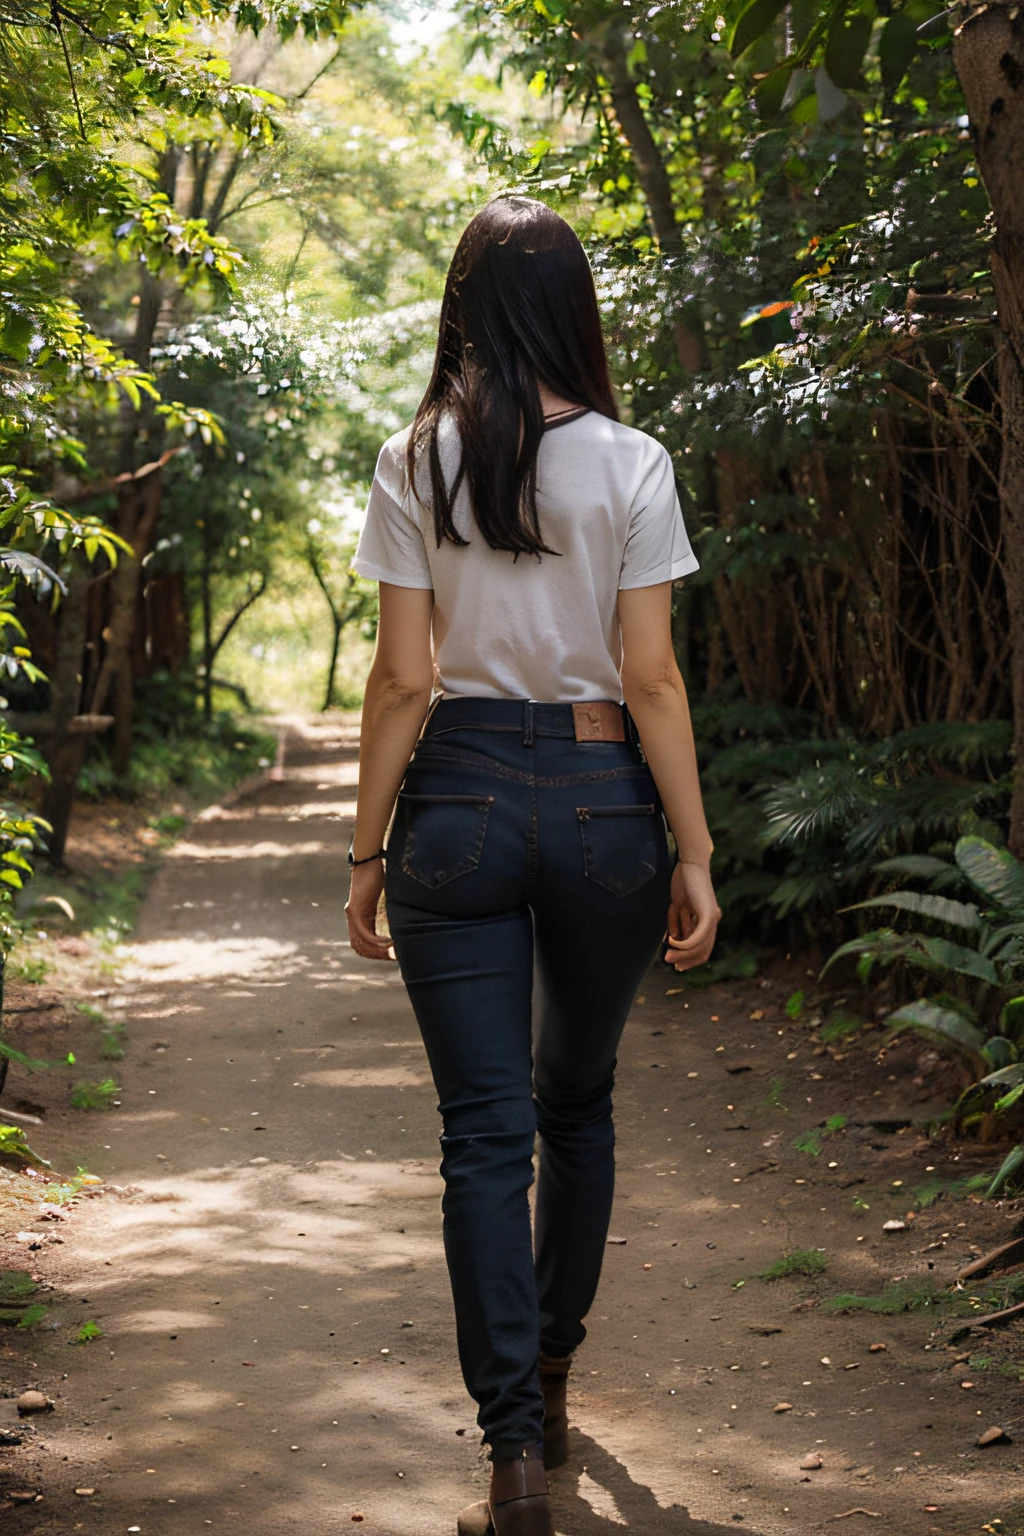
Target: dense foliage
(789, 218)
(216, 219)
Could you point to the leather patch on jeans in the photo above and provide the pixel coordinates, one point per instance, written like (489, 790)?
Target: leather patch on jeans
(599, 721)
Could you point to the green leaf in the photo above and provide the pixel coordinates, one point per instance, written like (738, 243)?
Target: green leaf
(958, 914)
(944, 1028)
(922, 950)
(1011, 1075)
(943, 954)
(1013, 1164)
(992, 871)
(753, 23)
(923, 866)
(897, 46)
(847, 43)
(1008, 1099)
(769, 95)
(1012, 1017)
(16, 336)
(999, 1052)
(14, 1145)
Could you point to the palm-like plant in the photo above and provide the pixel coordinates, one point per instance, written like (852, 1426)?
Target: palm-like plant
(972, 964)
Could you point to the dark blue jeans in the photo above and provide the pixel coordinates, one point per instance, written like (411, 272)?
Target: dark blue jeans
(527, 890)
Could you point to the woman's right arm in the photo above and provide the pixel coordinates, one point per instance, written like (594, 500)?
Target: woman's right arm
(394, 708)
(655, 695)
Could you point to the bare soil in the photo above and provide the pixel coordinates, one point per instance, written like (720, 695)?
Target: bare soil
(264, 1257)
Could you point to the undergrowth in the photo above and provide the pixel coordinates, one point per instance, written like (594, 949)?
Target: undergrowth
(804, 1261)
(898, 1296)
(176, 749)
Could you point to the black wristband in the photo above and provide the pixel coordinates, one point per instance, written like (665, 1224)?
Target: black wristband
(353, 862)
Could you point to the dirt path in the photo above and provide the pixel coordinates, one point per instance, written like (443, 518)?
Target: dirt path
(278, 1350)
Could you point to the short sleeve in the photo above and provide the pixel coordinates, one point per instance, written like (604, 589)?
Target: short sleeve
(391, 546)
(657, 548)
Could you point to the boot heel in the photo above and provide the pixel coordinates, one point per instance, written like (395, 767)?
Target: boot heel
(524, 1517)
(553, 1381)
(475, 1520)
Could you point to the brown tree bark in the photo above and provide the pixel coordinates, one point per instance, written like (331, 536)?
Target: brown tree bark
(654, 180)
(988, 55)
(65, 748)
(139, 503)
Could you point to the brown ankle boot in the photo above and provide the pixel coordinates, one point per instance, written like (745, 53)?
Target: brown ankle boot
(554, 1376)
(517, 1504)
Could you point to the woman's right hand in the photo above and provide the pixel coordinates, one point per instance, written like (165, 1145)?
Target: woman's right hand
(361, 911)
(693, 917)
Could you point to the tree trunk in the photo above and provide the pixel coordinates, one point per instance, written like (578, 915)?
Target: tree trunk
(337, 619)
(654, 180)
(139, 502)
(65, 749)
(206, 599)
(988, 55)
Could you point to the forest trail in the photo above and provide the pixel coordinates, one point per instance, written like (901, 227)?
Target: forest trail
(278, 1353)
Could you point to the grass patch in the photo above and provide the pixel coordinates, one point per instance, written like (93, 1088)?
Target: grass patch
(32, 969)
(773, 1098)
(934, 1189)
(86, 1095)
(171, 824)
(900, 1296)
(804, 1261)
(811, 1141)
(112, 1034)
(989, 1298)
(838, 1025)
(88, 1332)
(112, 1042)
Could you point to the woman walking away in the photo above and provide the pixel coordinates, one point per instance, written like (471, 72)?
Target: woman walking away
(525, 542)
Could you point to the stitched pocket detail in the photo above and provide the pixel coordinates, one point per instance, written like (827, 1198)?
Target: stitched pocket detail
(443, 835)
(620, 845)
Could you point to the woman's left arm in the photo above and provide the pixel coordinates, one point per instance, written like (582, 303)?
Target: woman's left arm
(394, 708)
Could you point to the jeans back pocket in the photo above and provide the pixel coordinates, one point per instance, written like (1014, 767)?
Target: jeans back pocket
(442, 836)
(620, 845)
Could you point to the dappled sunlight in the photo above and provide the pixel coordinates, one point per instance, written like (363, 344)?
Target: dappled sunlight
(195, 959)
(601, 1501)
(312, 810)
(224, 1213)
(263, 850)
(324, 776)
(367, 1077)
(165, 1320)
(287, 1316)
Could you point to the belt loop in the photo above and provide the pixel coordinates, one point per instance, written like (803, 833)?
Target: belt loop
(633, 735)
(435, 701)
(527, 722)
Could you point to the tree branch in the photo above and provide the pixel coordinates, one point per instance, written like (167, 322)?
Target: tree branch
(229, 626)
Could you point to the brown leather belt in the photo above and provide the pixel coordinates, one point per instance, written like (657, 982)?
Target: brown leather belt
(599, 721)
(592, 721)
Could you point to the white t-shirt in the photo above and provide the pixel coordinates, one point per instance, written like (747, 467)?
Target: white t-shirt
(535, 628)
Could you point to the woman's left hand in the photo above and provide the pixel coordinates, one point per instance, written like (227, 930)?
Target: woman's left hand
(693, 916)
(361, 911)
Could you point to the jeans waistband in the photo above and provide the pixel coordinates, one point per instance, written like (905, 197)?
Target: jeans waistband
(523, 717)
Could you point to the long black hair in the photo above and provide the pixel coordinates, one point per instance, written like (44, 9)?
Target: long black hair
(519, 306)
